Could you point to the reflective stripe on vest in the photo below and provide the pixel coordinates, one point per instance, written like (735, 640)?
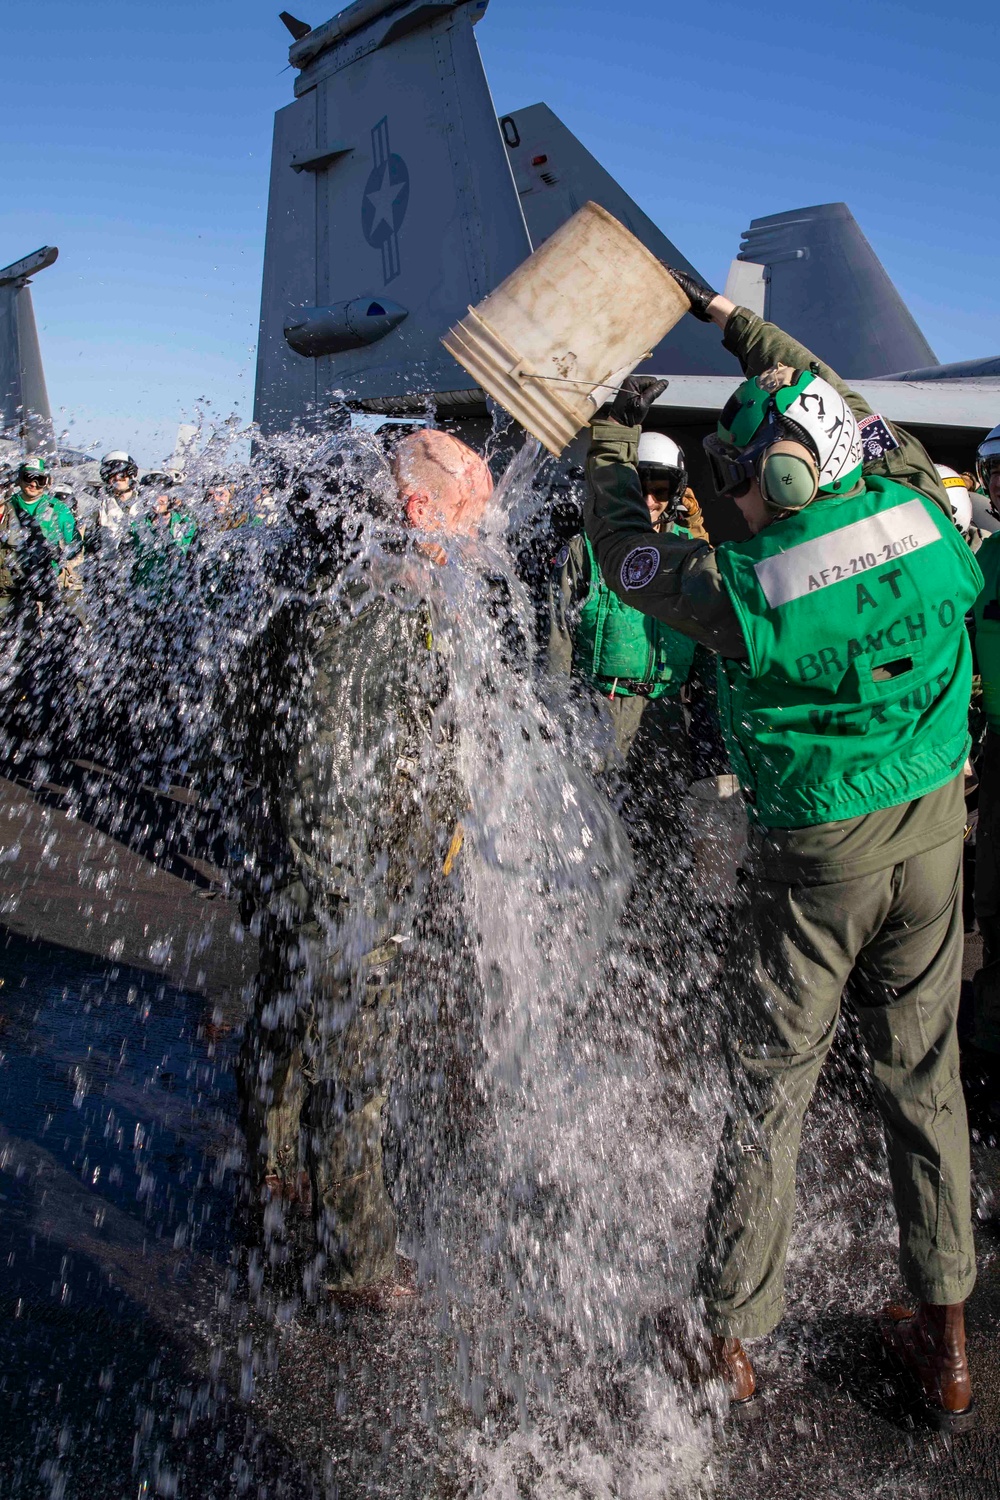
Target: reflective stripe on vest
(856, 690)
(987, 617)
(624, 652)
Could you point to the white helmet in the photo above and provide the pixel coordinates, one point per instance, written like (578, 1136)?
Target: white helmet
(118, 462)
(958, 494)
(988, 456)
(659, 451)
(660, 458)
(982, 516)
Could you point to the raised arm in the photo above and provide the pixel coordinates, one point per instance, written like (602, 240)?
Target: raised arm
(759, 345)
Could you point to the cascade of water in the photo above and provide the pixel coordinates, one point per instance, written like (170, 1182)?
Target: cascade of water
(551, 1204)
(582, 1192)
(279, 693)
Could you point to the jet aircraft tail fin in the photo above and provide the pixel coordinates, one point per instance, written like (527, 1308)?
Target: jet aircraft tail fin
(824, 284)
(24, 401)
(555, 175)
(392, 209)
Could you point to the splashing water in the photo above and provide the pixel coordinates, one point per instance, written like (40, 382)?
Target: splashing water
(361, 744)
(557, 1215)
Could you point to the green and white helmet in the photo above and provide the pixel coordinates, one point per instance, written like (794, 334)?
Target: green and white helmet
(783, 404)
(32, 468)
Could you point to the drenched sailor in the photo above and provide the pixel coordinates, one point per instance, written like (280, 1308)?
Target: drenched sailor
(365, 812)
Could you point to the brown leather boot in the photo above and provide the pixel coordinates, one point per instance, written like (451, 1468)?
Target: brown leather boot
(930, 1345)
(730, 1363)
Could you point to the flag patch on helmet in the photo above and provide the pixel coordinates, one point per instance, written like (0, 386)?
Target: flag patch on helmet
(640, 567)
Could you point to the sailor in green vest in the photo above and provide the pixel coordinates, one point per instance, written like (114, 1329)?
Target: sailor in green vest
(160, 538)
(983, 1056)
(630, 658)
(40, 604)
(40, 538)
(845, 677)
(656, 684)
(158, 630)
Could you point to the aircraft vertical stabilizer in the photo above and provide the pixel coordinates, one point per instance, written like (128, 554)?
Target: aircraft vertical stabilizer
(556, 175)
(24, 401)
(825, 285)
(392, 208)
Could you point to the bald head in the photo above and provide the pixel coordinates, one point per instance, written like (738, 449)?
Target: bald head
(443, 484)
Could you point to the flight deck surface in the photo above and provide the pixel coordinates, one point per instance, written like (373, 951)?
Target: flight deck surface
(136, 1359)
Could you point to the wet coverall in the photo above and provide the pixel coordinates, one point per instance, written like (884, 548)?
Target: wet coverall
(367, 813)
(869, 892)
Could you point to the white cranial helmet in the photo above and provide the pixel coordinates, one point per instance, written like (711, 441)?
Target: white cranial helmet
(982, 516)
(661, 459)
(118, 462)
(958, 494)
(657, 451)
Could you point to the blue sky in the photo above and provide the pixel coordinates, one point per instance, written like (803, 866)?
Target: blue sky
(136, 137)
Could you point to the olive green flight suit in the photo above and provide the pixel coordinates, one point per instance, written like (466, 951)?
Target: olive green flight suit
(874, 900)
(367, 813)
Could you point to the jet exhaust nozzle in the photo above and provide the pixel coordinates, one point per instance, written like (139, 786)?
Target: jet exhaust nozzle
(345, 325)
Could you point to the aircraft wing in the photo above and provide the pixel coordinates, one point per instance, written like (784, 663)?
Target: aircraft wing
(987, 368)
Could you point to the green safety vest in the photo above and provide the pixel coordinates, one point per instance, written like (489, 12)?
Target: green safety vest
(855, 694)
(54, 519)
(623, 652)
(154, 545)
(36, 536)
(987, 620)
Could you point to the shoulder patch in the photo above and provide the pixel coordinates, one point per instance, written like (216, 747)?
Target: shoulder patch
(876, 437)
(640, 567)
(562, 557)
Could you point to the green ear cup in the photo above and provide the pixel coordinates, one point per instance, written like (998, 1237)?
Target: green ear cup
(787, 482)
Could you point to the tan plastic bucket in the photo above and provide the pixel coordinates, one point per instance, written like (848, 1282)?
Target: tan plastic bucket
(555, 339)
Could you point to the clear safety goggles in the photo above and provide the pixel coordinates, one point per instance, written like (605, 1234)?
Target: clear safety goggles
(733, 469)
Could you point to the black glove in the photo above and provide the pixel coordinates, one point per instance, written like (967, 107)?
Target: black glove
(698, 295)
(635, 396)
